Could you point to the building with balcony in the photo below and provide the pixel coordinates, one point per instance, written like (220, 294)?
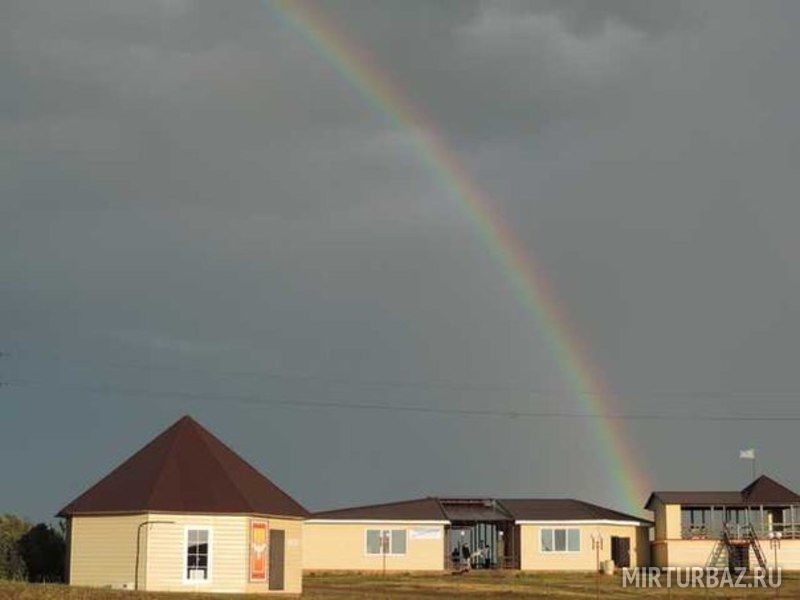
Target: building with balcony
(756, 526)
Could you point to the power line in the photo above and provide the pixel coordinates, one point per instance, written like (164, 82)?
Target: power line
(450, 385)
(263, 402)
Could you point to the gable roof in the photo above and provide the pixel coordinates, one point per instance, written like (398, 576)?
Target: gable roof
(764, 490)
(563, 509)
(185, 469)
(479, 509)
(421, 509)
(702, 498)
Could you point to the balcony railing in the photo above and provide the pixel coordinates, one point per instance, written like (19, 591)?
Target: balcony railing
(788, 531)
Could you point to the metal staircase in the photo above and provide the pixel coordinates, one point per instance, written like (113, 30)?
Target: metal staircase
(718, 558)
(730, 552)
(752, 538)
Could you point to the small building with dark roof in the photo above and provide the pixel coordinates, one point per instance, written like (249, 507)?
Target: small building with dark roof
(439, 533)
(186, 513)
(727, 528)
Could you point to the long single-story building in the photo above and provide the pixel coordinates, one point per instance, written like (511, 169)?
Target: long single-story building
(186, 513)
(434, 534)
(739, 529)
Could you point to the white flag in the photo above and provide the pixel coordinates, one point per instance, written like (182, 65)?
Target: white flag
(749, 454)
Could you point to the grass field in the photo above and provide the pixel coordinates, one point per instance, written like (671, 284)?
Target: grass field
(474, 585)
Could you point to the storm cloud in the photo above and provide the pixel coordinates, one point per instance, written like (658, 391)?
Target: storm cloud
(199, 214)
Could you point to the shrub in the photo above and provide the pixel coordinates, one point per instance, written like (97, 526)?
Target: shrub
(12, 528)
(43, 549)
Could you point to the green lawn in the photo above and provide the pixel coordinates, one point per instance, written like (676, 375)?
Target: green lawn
(507, 584)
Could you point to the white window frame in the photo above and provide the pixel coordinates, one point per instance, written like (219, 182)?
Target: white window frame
(566, 540)
(185, 558)
(382, 529)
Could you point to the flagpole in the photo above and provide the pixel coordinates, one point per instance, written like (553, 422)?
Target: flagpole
(750, 454)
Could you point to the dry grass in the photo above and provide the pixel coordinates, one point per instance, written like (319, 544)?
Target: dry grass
(556, 586)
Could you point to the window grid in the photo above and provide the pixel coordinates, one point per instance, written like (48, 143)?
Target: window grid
(197, 566)
(557, 540)
(391, 542)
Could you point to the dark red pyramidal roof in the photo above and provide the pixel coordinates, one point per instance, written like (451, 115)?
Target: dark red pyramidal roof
(185, 469)
(766, 490)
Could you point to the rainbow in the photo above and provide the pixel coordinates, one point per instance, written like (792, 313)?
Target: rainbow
(374, 85)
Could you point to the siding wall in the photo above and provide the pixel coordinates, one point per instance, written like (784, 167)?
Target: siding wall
(293, 561)
(102, 551)
(533, 559)
(788, 555)
(342, 546)
(695, 553)
(668, 521)
(687, 553)
(166, 548)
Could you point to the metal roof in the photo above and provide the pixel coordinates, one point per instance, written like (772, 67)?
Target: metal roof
(474, 509)
(566, 509)
(764, 490)
(479, 510)
(185, 469)
(421, 509)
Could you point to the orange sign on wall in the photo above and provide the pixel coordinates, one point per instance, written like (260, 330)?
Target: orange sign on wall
(258, 551)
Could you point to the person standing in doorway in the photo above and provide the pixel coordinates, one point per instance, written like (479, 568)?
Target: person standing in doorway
(465, 556)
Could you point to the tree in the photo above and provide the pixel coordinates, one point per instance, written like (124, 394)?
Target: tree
(12, 528)
(43, 549)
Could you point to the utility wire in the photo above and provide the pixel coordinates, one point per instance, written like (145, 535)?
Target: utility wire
(447, 385)
(264, 402)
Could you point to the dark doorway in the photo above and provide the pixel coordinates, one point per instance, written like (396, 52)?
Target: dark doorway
(481, 535)
(488, 545)
(621, 551)
(739, 556)
(277, 542)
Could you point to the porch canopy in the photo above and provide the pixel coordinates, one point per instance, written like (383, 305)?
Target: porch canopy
(472, 510)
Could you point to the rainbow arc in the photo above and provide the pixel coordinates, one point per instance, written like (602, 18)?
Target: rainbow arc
(533, 290)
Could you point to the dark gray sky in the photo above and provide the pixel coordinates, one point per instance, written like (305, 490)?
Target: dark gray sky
(199, 215)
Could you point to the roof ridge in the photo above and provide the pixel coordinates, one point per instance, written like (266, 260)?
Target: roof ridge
(185, 468)
(762, 478)
(438, 502)
(765, 481)
(595, 509)
(536, 498)
(117, 469)
(395, 502)
(157, 480)
(505, 509)
(200, 430)
(242, 460)
(705, 491)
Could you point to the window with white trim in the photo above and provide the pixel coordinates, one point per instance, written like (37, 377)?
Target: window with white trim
(560, 540)
(386, 541)
(198, 554)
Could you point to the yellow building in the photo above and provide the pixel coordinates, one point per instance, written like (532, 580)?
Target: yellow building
(758, 526)
(435, 534)
(400, 536)
(186, 513)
